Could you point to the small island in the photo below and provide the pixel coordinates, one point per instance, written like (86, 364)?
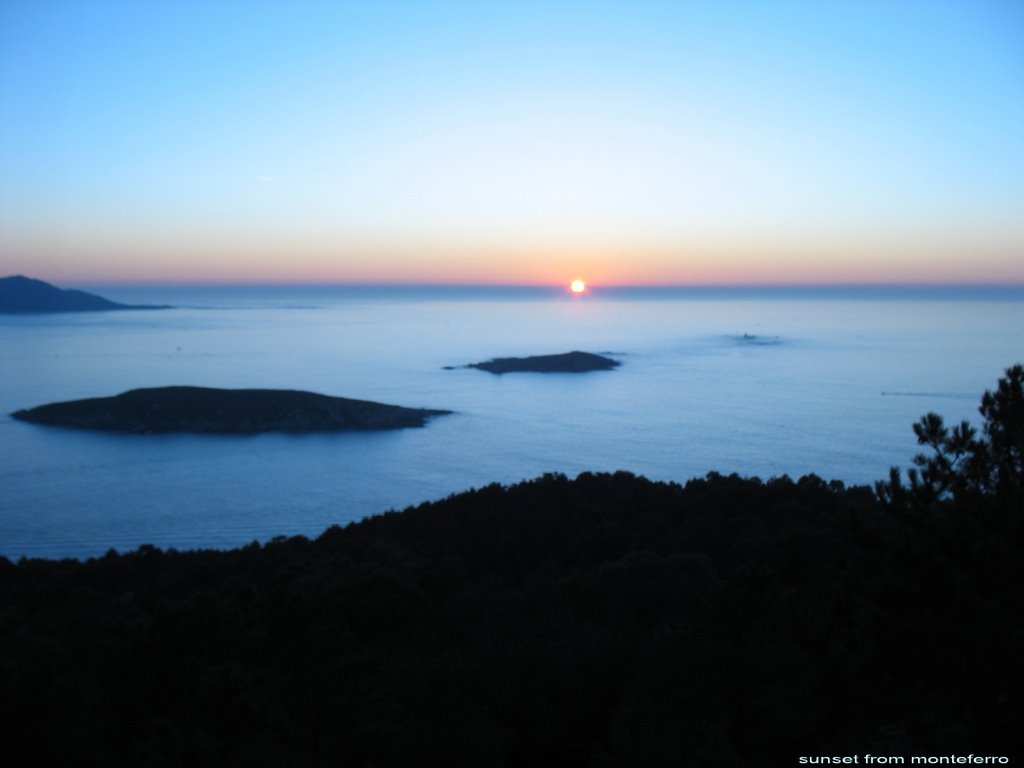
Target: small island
(225, 411)
(752, 340)
(568, 362)
(24, 295)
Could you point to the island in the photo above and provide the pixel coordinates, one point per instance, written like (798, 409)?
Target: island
(225, 411)
(751, 340)
(568, 362)
(24, 295)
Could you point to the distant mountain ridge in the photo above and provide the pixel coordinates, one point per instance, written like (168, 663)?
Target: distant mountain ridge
(25, 295)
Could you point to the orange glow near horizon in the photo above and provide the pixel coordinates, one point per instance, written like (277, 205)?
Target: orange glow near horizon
(328, 153)
(135, 258)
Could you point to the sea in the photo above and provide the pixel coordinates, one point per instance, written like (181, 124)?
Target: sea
(752, 380)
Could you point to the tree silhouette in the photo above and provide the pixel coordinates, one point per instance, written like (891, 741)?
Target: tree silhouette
(1004, 425)
(961, 464)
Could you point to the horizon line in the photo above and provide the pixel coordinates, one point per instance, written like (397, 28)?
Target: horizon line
(598, 286)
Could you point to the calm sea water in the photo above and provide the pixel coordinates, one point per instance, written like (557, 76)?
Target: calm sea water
(830, 383)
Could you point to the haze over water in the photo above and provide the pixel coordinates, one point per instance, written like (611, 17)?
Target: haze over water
(759, 382)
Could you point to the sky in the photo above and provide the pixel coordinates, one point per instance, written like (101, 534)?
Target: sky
(518, 142)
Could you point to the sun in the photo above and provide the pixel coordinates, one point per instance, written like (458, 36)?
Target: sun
(577, 286)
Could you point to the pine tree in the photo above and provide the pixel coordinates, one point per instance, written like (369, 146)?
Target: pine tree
(961, 464)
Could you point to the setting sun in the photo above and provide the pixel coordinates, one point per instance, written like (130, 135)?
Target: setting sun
(577, 286)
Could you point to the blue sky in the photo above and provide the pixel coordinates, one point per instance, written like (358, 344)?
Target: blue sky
(634, 142)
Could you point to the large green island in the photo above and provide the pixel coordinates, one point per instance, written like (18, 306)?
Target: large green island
(225, 411)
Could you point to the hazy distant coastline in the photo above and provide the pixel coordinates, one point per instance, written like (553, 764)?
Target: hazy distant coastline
(226, 295)
(25, 295)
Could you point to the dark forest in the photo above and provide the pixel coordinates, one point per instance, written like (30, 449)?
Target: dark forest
(605, 620)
